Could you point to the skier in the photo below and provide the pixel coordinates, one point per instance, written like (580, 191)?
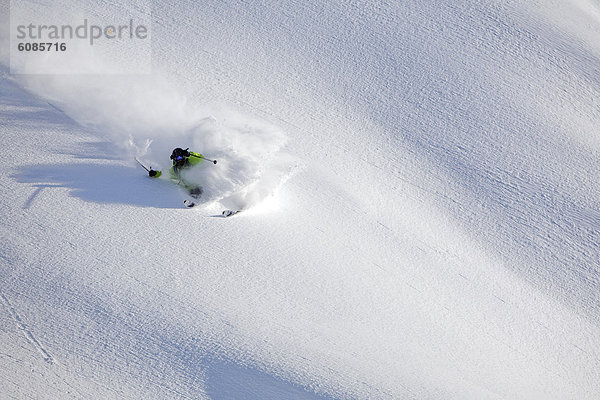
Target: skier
(182, 160)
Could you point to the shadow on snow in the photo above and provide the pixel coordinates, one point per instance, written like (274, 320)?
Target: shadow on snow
(100, 183)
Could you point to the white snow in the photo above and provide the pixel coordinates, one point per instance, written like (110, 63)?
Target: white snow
(422, 184)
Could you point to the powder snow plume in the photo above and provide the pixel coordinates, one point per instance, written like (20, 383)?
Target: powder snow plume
(147, 116)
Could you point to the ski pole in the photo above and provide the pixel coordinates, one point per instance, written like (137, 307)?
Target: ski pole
(204, 158)
(143, 166)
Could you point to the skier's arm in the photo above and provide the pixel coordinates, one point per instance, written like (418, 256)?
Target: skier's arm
(195, 158)
(154, 174)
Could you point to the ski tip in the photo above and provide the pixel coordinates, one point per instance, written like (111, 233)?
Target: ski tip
(229, 213)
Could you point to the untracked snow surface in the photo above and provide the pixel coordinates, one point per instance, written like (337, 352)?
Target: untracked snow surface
(421, 184)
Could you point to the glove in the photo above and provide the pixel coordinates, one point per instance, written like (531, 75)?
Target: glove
(152, 173)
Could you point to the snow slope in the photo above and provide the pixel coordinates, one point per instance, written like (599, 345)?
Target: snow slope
(433, 230)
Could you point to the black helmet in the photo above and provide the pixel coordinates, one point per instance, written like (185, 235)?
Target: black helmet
(180, 156)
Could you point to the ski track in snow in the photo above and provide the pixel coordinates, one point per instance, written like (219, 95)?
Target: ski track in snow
(440, 238)
(26, 331)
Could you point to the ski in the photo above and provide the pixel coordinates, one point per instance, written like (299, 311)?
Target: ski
(189, 203)
(230, 213)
